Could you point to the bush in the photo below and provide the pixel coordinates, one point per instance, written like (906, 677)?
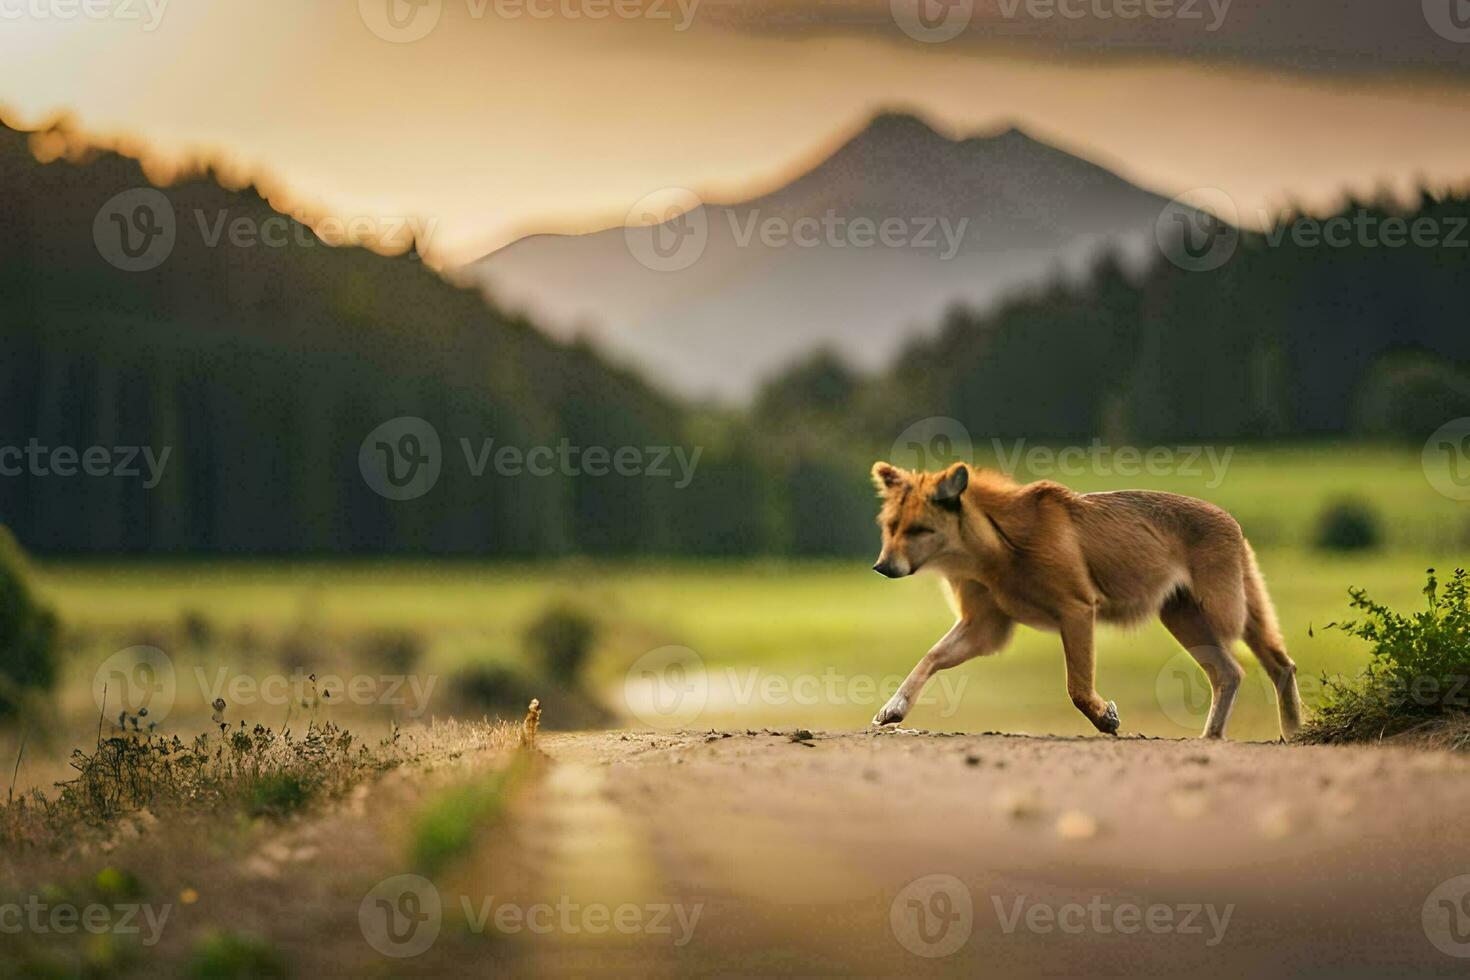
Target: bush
(493, 687)
(225, 955)
(560, 639)
(1417, 680)
(27, 631)
(1348, 525)
(396, 651)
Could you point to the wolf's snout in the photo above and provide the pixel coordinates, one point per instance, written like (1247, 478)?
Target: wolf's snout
(886, 569)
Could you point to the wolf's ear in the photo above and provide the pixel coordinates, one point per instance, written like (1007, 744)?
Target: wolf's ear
(951, 485)
(886, 476)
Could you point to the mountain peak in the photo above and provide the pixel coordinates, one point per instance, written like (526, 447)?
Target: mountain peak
(894, 129)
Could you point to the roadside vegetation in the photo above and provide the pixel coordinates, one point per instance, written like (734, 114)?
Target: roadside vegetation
(1416, 685)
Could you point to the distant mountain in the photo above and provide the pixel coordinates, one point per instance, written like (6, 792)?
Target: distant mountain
(899, 223)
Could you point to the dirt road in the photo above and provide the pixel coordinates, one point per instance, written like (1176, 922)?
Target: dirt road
(915, 853)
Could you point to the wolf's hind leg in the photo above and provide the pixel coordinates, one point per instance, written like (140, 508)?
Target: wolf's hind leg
(1263, 636)
(1184, 618)
(982, 628)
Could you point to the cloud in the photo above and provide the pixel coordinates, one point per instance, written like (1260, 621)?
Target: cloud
(1332, 37)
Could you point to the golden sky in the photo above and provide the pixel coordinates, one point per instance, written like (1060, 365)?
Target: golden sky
(496, 123)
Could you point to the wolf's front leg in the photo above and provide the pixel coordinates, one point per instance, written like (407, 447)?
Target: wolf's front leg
(981, 629)
(1077, 646)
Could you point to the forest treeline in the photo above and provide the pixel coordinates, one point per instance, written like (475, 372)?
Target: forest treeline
(261, 369)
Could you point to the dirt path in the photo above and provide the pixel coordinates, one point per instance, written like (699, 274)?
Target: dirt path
(909, 853)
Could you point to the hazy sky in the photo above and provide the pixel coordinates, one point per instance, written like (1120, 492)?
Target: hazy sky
(500, 121)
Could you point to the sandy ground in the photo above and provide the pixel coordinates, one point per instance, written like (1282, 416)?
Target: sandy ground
(743, 853)
(903, 853)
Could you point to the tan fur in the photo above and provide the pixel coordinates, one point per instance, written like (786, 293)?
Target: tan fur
(1040, 555)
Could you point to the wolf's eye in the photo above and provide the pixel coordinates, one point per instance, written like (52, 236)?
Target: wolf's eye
(917, 529)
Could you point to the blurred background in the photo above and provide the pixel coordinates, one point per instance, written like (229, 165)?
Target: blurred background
(486, 351)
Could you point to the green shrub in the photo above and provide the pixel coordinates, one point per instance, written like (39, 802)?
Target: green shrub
(277, 794)
(1418, 677)
(493, 687)
(396, 651)
(560, 639)
(225, 955)
(27, 631)
(1348, 525)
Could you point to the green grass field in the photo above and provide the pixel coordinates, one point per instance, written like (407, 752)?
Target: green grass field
(811, 644)
(779, 644)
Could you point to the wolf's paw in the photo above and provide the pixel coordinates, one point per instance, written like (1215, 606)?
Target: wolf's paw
(1108, 723)
(893, 712)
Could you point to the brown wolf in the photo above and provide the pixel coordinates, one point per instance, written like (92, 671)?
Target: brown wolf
(1060, 561)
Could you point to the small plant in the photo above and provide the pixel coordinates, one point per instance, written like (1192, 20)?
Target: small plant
(28, 631)
(1417, 681)
(448, 828)
(561, 639)
(1348, 525)
(197, 629)
(277, 794)
(226, 955)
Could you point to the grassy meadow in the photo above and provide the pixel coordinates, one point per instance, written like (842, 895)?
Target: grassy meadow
(767, 643)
